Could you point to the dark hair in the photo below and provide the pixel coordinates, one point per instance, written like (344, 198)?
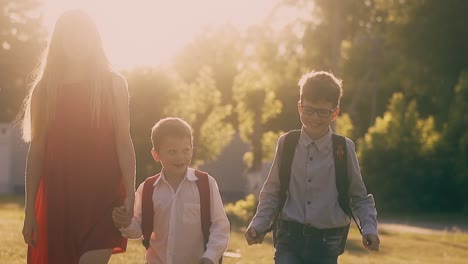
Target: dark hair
(170, 127)
(321, 85)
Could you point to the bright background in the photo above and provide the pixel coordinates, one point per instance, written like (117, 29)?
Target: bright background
(231, 68)
(150, 32)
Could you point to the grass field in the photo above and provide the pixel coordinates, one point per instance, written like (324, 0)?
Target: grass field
(396, 247)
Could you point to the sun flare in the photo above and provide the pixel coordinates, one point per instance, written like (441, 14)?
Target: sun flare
(150, 32)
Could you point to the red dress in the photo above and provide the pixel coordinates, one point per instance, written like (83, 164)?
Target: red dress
(81, 183)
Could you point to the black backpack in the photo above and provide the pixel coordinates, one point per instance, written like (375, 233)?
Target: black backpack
(341, 174)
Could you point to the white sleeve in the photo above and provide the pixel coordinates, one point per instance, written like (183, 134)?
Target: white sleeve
(133, 231)
(220, 227)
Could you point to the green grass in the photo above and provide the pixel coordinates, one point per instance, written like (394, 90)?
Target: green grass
(396, 247)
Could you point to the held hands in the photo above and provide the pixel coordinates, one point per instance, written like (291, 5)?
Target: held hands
(123, 215)
(205, 261)
(30, 230)
(371, 242)
(253, 237)
(128, 204)
(120, 217)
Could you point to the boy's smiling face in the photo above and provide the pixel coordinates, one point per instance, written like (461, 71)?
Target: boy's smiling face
(175, 154)
(316, 116)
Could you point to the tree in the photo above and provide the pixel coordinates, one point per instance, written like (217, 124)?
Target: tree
(200, 104)
(435, 38)
(254, 92)
(221, 50)
(149, 91)
(344, 126)
(454, 143)
(20, 37)
(396, 156)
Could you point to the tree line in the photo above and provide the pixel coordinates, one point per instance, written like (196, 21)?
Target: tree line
(403, 63)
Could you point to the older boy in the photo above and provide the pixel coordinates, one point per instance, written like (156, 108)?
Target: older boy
(177, 201)
(314, 210)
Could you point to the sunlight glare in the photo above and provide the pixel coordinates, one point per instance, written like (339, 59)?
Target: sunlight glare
(151, 32)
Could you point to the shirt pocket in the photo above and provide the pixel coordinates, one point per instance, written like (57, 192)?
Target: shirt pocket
(191, 214)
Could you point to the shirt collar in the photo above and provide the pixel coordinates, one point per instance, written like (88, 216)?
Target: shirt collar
(190, 175)
(320, 143)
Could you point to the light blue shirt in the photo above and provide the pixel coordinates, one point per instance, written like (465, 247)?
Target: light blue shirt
(313, 197)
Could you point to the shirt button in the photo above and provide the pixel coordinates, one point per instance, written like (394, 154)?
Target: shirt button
(309, 180)
(308, 202)
(310, 158)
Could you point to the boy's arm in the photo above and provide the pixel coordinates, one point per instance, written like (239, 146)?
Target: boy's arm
(220, 228)
(269, 195)
(362, 204)
(133, 231)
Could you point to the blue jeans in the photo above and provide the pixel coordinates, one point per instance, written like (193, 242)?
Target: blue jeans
(296, 246)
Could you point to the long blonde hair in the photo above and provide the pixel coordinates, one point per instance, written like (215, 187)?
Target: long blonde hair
(49, 74)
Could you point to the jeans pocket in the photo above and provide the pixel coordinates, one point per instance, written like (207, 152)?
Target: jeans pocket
(332, 244)
(282, 236)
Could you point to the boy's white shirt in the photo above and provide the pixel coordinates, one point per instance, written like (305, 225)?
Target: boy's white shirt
(177, 237)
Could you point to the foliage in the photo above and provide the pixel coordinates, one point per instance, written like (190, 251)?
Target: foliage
(241, 212)
(20, 43)
(344, 125)
(227, 80)
(200, 104)
(254, 93)
(454, 143)
(149, 90)
(219, 49)
(396, 156)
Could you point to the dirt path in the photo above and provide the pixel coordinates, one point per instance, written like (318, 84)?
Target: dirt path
(422, 227)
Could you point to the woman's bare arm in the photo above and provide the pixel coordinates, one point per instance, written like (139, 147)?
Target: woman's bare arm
(124, 144)
(34, 166)
(36, 150)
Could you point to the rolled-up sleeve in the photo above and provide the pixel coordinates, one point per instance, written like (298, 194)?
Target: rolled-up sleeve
(362, 204)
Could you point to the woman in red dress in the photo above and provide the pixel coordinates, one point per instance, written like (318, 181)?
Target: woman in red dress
(81, 161)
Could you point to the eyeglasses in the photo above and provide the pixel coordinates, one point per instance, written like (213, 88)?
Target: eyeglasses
(320, 112)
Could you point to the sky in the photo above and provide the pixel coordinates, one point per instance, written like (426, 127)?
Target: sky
(150, 32)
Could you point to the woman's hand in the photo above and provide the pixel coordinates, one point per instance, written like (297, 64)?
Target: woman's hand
(119, 216)
(30, 229)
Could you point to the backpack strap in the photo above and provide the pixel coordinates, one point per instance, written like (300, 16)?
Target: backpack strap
(287, 157)
(285, 163)
(340, 156)
(147, 213)
(205, 206)
(203, 186)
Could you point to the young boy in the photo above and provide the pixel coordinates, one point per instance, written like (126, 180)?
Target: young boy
(177, 236)
(313, 221)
